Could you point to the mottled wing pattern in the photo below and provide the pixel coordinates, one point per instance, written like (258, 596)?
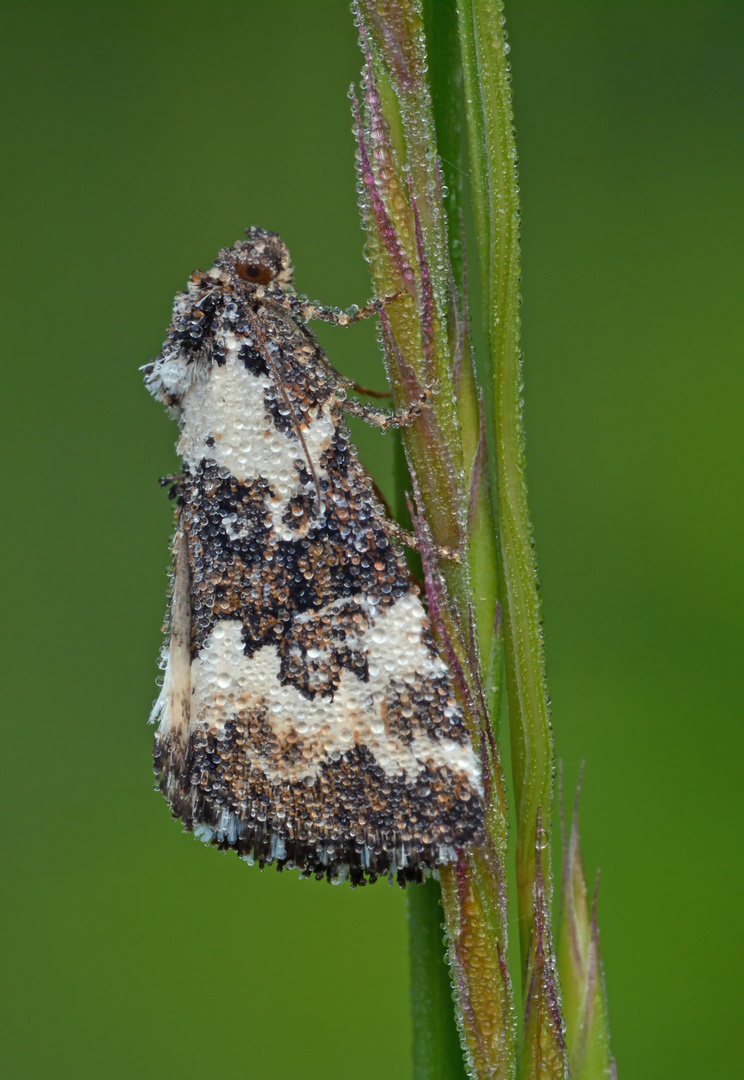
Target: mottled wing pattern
(306, 718)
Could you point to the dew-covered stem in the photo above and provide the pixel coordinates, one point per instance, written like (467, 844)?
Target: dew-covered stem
(496, 211)
(426, 342)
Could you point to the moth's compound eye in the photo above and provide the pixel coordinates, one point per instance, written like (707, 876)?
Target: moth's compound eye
(257, 273)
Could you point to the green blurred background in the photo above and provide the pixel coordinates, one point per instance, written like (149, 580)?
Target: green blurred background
(137, 139)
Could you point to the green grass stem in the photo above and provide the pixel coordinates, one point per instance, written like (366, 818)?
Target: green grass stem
(496, 210)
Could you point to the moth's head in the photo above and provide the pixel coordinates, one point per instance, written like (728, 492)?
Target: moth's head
(261, 259)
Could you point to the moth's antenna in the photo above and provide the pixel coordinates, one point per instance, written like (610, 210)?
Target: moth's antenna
(295, 419)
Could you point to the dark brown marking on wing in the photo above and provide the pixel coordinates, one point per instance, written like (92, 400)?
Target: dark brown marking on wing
(352, 816)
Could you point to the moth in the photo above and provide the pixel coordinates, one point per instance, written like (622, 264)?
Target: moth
(305, 718)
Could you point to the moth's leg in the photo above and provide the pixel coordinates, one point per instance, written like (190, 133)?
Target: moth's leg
(386, 420)
(305, 309)
(174, 483)
(410, 540)
(349, 384)
(359, 389)
(403, 536)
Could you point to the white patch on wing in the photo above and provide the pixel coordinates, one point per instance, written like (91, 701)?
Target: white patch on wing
(172, 708)
(225, 681)
(227, 406)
